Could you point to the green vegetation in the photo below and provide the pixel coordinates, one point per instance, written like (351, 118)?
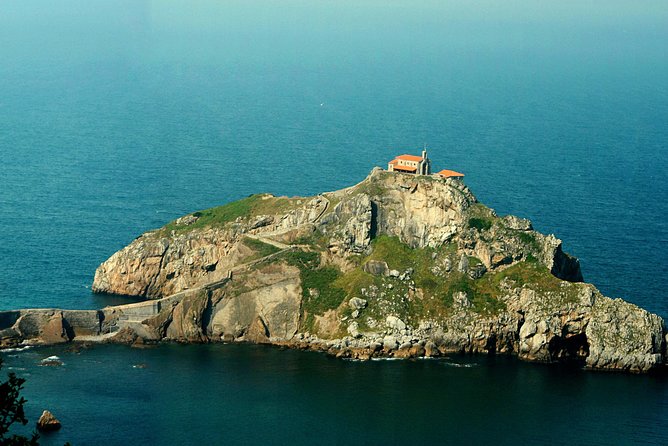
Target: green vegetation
(355, 280)
(396, 254)
(260, 249)
(481, 211)
(438, 290)
(371, 188)
(309, 323)
(482, 224)
(258, 204)
(481, 217)
(401, 257)
(318, 283)
(529, 239)
(334, 199)
(537, 277)
(326, 287)
(315, 239)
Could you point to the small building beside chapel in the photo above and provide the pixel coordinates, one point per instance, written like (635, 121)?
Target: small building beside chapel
(418, 165)
(445, 173)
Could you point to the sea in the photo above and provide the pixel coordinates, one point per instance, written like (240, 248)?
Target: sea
(117, 116)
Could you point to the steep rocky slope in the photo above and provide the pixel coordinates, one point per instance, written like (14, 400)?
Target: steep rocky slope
(397, 265)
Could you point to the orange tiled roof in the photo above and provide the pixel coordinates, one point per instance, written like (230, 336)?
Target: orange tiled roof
(409, 158)
(405, 168)
(445, 173)
(394, 161)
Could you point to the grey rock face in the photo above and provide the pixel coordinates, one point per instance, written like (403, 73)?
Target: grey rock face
(422, 213)
(187, 220)
(376, 267)
(275, 296)
(154, 266)
(308, 213)
(520, 224)
(463, 266)
(623, 336)
(357, 214)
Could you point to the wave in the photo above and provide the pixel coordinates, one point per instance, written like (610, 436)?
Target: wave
(457, 364)
(52, 360)
(16, 349)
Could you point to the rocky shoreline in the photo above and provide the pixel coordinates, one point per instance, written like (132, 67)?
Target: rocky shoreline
(397, 266)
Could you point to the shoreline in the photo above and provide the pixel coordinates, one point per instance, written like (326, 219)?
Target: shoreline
(352, 354)
(360, 349)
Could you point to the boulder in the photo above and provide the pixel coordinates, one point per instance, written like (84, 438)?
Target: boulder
(357, 304)
(188, 319)
(477, 271)
(461, 300)
(261, 221)
(51, 361)
(376, 267)
(395, 323)
(186, 220)
(390, 343)
(47, 422)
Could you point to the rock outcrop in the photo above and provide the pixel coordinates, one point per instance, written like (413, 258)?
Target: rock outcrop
(397, 265)
(157, 265)
(47, 422)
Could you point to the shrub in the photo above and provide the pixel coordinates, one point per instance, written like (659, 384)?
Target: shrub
(481, 224)
(11, 411)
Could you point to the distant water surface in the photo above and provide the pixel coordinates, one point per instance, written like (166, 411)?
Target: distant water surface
(119, 116)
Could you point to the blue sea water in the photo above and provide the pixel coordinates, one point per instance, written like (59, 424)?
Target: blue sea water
(118, 116)
(244, 394)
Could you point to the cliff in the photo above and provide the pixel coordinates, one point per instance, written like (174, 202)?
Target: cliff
(397, 265)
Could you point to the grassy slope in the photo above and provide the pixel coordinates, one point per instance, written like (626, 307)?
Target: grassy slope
(258, 204)
(434, 298)
(260, 249)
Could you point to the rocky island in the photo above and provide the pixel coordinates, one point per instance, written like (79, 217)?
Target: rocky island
(396, 266)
